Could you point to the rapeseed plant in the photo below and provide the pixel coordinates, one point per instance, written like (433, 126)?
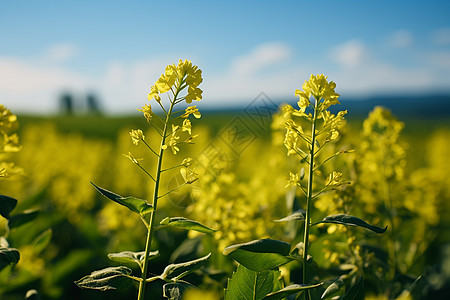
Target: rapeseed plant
(174, 130)
(309, 130)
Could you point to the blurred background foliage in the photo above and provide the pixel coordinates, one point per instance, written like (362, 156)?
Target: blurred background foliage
(400, 178)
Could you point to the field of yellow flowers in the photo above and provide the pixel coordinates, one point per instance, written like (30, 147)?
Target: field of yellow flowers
(237, 181)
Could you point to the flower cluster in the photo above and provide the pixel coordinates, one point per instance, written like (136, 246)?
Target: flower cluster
(180, 76)
(324, 94)
(9, 142)
(319, 88)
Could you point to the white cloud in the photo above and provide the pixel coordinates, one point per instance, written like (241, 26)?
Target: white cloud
(441, 37)
(123, 87)
(440, 60)
(33, 87)
(401, 39)
(349, 54)
(244, 79)
(260, 57)
(61, 52)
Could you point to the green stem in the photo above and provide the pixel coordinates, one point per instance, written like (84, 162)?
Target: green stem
(309, 198)
(155, 202)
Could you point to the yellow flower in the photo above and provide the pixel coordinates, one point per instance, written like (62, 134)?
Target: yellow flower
(147, 111)
(173, 140)
(132, 158)
(335, 179)
(294, 179)
(187, 126)
(194, 93)
(187, 162)
(154, 93)
(192, 110)
(318, 87)
(136, 136)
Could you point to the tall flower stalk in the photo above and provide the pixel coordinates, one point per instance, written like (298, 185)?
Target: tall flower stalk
(180, 83)
(323, 95)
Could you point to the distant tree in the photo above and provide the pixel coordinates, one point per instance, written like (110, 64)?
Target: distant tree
(93, 104)
(66, 103)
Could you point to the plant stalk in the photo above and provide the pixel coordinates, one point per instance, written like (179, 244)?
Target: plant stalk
(309, 198)
(151, 223)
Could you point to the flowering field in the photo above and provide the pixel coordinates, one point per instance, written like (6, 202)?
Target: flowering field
(235, 206)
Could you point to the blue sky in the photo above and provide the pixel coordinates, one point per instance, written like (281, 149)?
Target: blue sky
(117, 49)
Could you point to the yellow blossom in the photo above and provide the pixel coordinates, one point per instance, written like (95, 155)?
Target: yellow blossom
(318, 87)
(136, 136)
(192, 110)
(187, 126)
(147, 111)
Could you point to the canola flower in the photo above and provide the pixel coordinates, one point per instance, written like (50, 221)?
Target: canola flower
(180, 84)
(176, 78)
(9, 142)
(316, 96)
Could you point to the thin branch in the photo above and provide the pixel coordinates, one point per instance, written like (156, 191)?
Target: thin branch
(142, 168)
(173, 190)
(171, 168)
(148, 146)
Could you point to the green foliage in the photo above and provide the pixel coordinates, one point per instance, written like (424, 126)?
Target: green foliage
(178, 271)
(344, 219)
(107, 279)
(180, 222)
(8, 256)
(175, 290)
(127, 257)
(260, 255)
(134, 204)
(248, 284)
(7, 204)
(290, 290)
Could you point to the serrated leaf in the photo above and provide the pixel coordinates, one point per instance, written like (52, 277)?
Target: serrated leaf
(344, 219)
(21, 219)
(175, 290)
(41, 242)
(136, 205)
(7, 204)
(8, 256)
(260, 255)
(180, 222)
(290, 290)
(333, 288)
(107, 279)
(248, 284)
(131, 257)
(177, 271)
(298, 215)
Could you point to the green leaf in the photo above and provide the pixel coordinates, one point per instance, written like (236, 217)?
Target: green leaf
(356, 292)
(333, 288)
(248, 284)
(7, 204)
(23, 218)
(351, 221)
(175, 290)
(41, 241)
(260, 255)
(177, 271)
(290, 290)
(298, 215)
(136, 205)
(180, 222)
(8, 256)
(107, 279)
(131, 257)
